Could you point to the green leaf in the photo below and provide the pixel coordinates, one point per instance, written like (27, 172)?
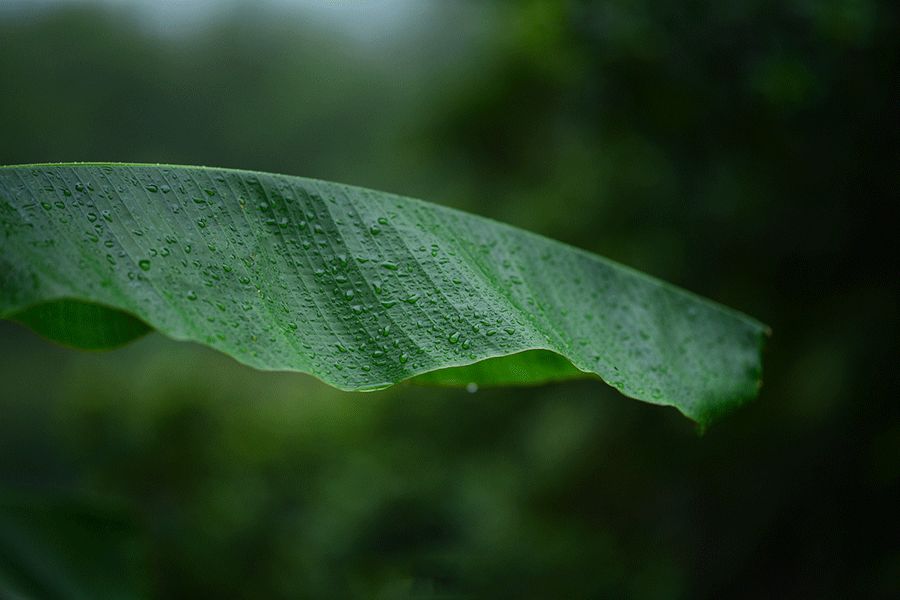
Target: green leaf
(82, 325)
(361, 289)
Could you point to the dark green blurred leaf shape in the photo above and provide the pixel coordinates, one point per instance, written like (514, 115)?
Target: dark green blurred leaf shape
(59, 546)
(361, 289)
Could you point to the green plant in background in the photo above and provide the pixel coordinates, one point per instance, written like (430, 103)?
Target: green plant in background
(362, 289)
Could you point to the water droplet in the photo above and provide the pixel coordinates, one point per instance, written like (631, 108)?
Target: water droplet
(191, 295)
(348, 294)
(382, 220)
(152, 188)
(454, 337)
(404, 357)
(144, 264)
(390, 266)
(374, 230)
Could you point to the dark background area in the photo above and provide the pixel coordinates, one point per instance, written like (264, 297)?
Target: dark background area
(747, 151)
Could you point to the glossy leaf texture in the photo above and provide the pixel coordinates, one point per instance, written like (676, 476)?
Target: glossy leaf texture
(361, 289)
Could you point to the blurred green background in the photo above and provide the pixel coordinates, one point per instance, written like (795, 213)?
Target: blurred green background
(745, 150)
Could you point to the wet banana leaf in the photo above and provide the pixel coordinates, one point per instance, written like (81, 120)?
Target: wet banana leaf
(361, 289)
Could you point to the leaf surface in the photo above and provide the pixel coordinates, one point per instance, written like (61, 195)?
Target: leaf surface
(361, 289)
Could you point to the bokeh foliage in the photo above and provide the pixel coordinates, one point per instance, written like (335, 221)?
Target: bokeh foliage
(743, 150)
